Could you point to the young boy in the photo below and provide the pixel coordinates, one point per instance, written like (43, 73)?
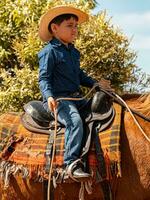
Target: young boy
(60, 75)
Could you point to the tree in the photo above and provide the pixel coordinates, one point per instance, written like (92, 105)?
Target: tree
(16, 90)
(104, 50)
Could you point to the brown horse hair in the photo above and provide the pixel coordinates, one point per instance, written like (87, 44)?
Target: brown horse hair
(142, 102)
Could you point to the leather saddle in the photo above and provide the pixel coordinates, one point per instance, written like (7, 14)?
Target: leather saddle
(38, 120)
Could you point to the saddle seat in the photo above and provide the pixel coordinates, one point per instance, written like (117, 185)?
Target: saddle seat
(38, 120)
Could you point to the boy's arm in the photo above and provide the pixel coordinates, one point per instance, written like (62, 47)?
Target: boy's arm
(89, 82)
(86, 80)
(46, 67)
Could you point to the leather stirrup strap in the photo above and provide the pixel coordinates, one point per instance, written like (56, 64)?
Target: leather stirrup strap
(88, 140)
(107, 192)
(99, 154)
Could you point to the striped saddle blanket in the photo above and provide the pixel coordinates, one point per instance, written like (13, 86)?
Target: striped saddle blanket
(29, 153)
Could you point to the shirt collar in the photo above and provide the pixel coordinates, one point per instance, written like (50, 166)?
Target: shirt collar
(57, 43)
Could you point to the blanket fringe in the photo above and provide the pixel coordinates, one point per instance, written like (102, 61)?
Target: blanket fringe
(8, 168)
(113, 168)
(85, 186)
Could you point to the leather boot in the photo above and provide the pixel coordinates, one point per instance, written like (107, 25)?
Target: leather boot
(79, 173)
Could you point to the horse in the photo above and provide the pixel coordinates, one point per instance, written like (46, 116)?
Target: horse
(134, 183)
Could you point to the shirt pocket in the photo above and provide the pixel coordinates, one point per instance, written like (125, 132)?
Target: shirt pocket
(60, 58)
(61, 63)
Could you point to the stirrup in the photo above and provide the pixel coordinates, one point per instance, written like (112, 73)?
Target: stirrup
(70, 171)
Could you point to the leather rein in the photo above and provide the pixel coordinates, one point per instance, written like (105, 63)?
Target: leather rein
(122, 104)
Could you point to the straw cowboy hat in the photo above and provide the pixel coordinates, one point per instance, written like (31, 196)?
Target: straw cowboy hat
(44, 33)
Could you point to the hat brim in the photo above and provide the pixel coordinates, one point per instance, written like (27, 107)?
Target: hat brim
(44, 33)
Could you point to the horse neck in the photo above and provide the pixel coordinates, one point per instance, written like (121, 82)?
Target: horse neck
(135, 149)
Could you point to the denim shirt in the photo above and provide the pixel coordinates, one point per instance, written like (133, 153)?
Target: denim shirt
(59, 70)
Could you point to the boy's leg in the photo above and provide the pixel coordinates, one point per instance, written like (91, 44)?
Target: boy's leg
(70, 117)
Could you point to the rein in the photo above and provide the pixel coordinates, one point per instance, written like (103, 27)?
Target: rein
(141, 115)
(119, 100)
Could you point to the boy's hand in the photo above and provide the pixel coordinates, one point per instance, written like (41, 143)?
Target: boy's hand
(106, 85)
(52, 104)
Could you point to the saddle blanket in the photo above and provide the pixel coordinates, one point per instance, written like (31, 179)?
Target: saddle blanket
(23, 149)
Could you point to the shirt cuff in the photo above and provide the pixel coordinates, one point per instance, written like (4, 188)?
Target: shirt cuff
(48, 94)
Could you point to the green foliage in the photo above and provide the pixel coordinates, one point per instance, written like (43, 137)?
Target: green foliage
(26, 48)
(18, 90)
(16, 19)
(139, 84)
(104, 50)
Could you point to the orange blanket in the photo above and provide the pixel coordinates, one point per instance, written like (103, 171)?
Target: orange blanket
(22, 147)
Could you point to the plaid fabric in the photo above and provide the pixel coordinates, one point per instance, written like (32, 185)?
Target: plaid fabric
(30, 152)
(110, 143)
(21, 146)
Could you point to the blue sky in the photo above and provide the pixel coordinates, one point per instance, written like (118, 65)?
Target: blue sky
(133, 19)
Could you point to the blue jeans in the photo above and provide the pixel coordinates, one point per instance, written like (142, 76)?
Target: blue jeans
(68, 115)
